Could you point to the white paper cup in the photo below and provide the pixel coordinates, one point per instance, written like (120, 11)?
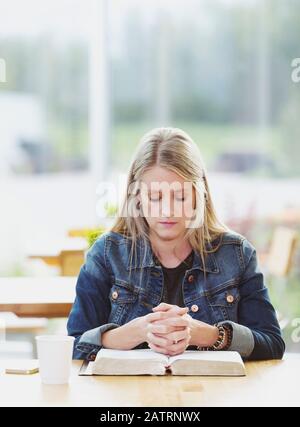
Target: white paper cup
(55, 358)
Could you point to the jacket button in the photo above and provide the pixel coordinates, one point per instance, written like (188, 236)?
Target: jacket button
(194, 308)
(230, 298)
(115, 295)
(190, 278)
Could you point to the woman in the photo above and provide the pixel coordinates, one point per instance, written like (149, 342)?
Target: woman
(169, 275)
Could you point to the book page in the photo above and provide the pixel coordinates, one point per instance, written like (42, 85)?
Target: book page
(128, 362)
(144, 354)
(217, 363)
(218, 356)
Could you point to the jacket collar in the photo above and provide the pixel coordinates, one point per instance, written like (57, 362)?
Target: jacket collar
(145, 258)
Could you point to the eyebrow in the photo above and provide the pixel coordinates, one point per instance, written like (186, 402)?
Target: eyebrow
(159, 191)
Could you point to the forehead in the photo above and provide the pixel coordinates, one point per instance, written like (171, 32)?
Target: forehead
(159, 175)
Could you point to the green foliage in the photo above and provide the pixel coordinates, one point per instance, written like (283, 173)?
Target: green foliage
(92, 235)
(110, 209)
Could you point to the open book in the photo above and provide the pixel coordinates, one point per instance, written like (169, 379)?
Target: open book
(148, 362)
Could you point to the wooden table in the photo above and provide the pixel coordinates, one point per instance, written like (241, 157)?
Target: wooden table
(37, 296)
(270, 383)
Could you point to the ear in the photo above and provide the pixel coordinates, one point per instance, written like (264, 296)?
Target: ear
(194, 198)
(138, 200)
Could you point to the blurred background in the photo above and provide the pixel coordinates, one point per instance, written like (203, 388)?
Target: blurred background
(82, 81)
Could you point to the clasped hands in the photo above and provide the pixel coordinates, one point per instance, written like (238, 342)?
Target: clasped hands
(170, 330)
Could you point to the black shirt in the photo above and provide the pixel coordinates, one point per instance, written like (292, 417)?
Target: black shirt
(173, 277)
(172, 290)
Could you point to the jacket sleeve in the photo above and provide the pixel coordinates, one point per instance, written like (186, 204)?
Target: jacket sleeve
(257, 335)
(90, 312)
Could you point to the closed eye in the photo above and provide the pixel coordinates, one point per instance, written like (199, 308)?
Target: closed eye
(154, 198)
(157, 198)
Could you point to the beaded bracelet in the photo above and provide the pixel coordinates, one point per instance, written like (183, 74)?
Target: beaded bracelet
(225, 332)
(229, 332)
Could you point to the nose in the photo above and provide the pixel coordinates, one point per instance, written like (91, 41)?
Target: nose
(166, 209)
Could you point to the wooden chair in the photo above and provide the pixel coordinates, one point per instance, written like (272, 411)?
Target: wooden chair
(71, 262)
(280, 258)
(279, 261)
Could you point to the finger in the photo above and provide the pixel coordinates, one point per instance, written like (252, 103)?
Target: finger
(169, 342)
(160, 315)
(164, 328)
(179, 335)
(167, 307)
(176, 321)
(175, 338)
(157, 340)
(163, 307)
(158, 328)
(177, 348)
(179, 310)
(157, 348)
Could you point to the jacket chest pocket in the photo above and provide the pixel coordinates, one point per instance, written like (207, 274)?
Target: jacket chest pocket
(224, 303)
(122, 297)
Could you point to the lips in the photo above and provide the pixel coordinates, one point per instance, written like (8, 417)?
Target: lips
(167, 222)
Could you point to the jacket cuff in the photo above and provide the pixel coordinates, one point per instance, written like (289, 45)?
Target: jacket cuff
(90, 341)
(242, 339)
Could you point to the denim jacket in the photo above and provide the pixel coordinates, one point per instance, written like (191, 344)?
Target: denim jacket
(232, 291)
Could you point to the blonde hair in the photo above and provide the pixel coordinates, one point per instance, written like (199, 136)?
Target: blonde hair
(173, 149)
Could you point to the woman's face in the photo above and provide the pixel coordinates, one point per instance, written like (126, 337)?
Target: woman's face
(167, 202)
